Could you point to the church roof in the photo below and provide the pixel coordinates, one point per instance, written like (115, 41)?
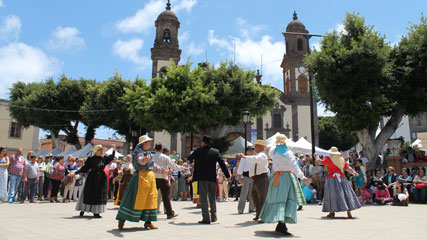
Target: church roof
(167, 14)
(296, 25)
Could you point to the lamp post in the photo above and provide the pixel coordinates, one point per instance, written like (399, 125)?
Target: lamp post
(302, 70)
(246, 116)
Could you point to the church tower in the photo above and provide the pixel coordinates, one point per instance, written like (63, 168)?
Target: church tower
(166, 45)
(295, 82)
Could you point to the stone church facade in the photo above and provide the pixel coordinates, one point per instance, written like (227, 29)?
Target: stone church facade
(291, 114)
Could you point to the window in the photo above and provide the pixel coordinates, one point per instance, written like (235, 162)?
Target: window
(302, 84)
(300, 44)
(15, 130)
(288, 86)
(277, 120)
(163, 71)
(166, 35)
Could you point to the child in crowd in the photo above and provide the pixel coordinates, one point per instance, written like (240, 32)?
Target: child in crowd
(382, 195)
(400, 194)
(359, 183)
(314, 191)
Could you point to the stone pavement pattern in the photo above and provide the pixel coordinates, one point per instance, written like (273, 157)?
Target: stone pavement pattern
(60, 221)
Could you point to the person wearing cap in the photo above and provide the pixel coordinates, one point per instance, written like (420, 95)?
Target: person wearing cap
(94, 197)
(338, 193)
(162, 182)
(139, 202)
(281, 203)
(259, 175)
(205, 160)
(243, 173)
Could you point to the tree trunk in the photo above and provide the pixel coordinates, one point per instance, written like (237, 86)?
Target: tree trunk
(55, 140)
(371, 145)
(90, 134)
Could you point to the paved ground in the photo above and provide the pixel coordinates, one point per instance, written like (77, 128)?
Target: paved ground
(60, 221)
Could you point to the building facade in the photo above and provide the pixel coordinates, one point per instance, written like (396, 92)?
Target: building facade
(12, 135)
(290, 115)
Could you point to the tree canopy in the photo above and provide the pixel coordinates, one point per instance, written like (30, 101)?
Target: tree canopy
(331, 135)
(361, 78)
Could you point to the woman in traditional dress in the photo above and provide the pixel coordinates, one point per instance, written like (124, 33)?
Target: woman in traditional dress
(4, 164)
(124, 177)
(281, 203)
(300, 194)
(139, 201)
(94, 197)
(338, 193)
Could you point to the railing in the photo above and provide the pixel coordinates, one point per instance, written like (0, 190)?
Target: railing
(396, 162)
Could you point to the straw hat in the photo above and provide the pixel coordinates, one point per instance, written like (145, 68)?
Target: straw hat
(260, 143)
(281, 139)
(144, 139)
(334, 151)
(97, 147)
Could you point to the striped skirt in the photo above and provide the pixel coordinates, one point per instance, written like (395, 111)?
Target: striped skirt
(139, 202)
(300, 194)
(339, 196)
(281, 202)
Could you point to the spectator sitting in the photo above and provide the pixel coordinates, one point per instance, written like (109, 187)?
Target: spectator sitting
(406, 179)
(420, 187)
(401, 195)
(314, 191)
(389, 178)
(382, 195)
(414, 171)
(410, 156)
(421, 157)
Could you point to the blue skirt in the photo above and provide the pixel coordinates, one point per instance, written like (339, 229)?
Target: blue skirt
(281, 202)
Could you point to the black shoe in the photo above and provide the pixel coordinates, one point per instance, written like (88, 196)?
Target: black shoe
(281, 228)
(204, 222)
(97, 216)
(236, 199)
(82, 213)
(214, 218)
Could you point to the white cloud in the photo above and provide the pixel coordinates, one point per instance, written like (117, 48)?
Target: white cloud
(249, 53)
(144, 18)
(194, 50)
(1, 3)
(66, 38)
(129, 50)
(10, 28)
(20, 62)
(248, 30)
(186, 5)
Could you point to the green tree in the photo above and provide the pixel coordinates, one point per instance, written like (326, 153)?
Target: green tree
(331, 135)
(53, 106)
(203, 99)
(361, 78)
(110, 96)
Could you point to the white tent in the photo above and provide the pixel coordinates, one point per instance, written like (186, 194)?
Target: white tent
(84, 152)
(271, 141)
(237, 146)
(56, 151)
(66, 152)
(304, 146)
(419, 143)
(117, 154)
(42, 153)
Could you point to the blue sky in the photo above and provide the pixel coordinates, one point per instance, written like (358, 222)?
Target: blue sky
(92, 39)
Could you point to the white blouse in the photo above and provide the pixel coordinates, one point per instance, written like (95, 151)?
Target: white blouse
(285, 163)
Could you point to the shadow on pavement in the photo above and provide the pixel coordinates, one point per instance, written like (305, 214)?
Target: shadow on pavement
(243, 224)
(190, 224)
(272, 234)
(118, 233)
(78, 217)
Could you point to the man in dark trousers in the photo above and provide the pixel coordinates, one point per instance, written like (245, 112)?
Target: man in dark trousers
(205, 159)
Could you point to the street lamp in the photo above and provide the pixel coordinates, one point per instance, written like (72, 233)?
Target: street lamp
(302, 70)
(246, 116)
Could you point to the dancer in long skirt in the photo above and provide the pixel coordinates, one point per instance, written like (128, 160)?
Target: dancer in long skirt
(94, 197)
(125, 174)
(338, 194)
(139, 201)
(281, 203)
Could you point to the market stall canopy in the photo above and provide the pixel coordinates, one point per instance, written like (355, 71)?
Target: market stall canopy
(42, 153)
(271, 141)
(66, 152)
(304, 146)
(56, 151)
(117, 154)
(84, 152)
(237, 146)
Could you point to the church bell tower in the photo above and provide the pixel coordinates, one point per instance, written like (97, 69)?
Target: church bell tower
(166, 45)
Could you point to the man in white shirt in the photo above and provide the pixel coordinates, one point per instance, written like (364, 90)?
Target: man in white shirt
(243, 173)
(259, 175)
(164, 162)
